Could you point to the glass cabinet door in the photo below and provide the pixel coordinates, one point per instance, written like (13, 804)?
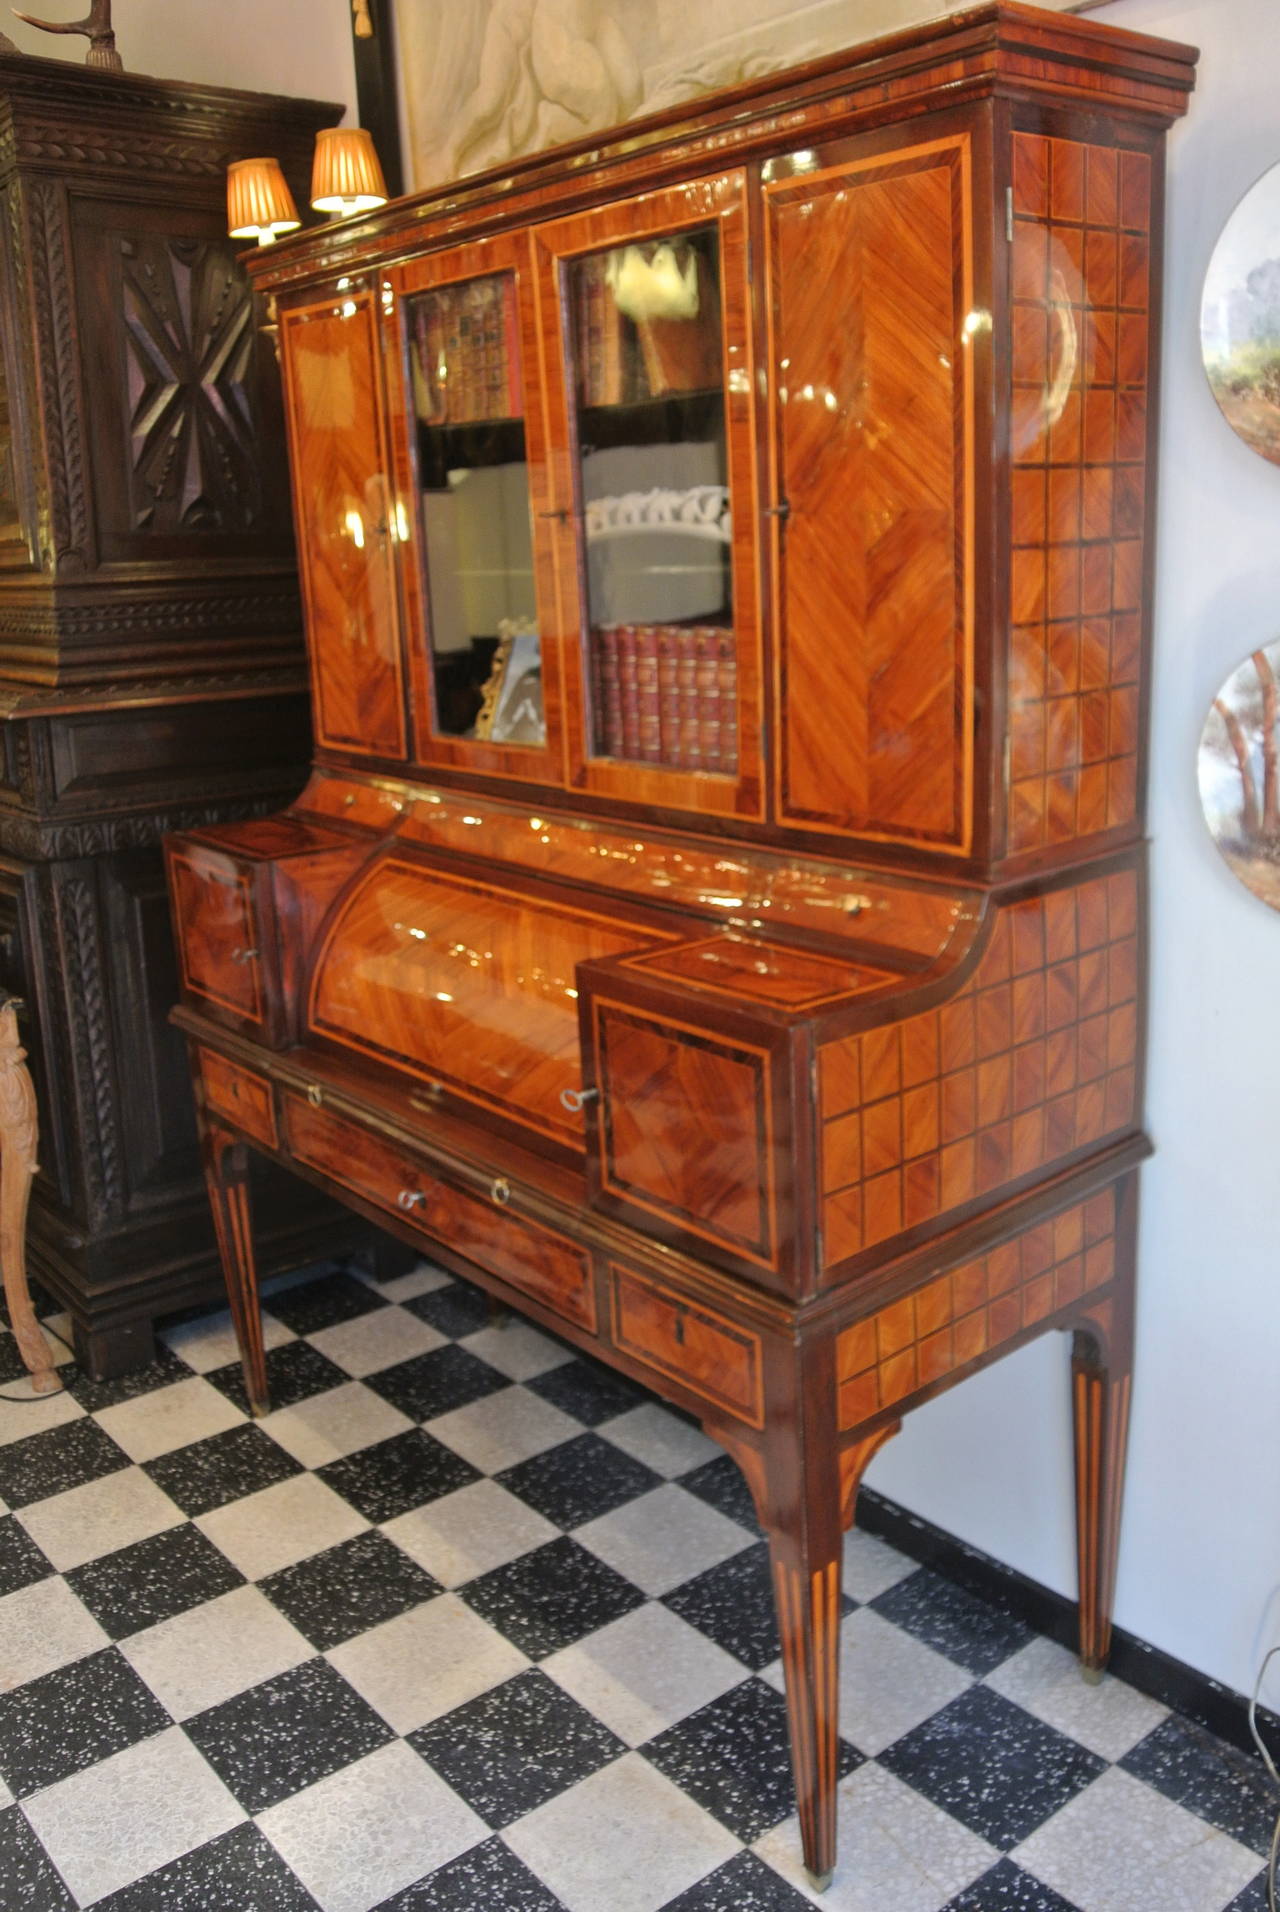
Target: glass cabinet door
(659, 603)
(472, 449)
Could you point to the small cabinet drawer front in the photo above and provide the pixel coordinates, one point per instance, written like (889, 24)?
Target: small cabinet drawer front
(240, 1095)
(541, 1264)
(218, 933)
(710, 1354)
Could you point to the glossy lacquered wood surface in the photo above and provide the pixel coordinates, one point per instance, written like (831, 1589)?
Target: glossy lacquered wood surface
(331, 359)
(872, 445)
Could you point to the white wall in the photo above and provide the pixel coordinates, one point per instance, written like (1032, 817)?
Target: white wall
(1200, 1547)
(301, 47)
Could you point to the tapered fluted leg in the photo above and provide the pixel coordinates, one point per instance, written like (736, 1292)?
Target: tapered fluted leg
(226, 1168)
(1101, 1375)
(806, 1582)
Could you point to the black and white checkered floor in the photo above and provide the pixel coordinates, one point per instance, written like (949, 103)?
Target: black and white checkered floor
(470, 1624)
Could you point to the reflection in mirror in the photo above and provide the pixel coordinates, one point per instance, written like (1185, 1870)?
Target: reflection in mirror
(474, 497)
(653, 494)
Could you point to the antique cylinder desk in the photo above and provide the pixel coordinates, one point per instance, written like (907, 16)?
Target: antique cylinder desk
(715, 920)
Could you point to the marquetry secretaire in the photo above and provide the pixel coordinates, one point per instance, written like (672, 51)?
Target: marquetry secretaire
(715, 921)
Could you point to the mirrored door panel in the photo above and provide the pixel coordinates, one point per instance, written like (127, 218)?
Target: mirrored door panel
(660, 617)
(483, 693)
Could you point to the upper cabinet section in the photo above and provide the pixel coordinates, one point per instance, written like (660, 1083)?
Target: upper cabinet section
(646, 305)
(870, 278)
(781, 466)
(347, 523)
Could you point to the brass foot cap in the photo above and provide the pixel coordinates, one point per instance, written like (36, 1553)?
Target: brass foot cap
(1092, 1675)
(819, 1880)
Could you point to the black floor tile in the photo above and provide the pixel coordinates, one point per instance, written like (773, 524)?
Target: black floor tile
(394, 1476)
(226, 1467)
(516, 1747)
(588, 1390)
(56, 1460)
(732, 1757)
(551, 1597)
(489, 1878)
(436, 1383)
(93, 1396)
(323, 1303)
(1208, 1777)
(1006, 1889)
(333, 1595)
(67, 1720)
(21, 1561)
(294, 1373)
(239, 1872)
(992, 1766)
(968, 1630)
(457, 1310)
(733, 1605)
(275, 1739)
(151, 1580)
(1253, 1898)
(744, 1884)
(579, 1480)
(28, 1880)
(722, 1484)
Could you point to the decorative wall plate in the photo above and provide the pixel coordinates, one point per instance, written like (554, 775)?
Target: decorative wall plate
(1240, 318)
(1239, 771)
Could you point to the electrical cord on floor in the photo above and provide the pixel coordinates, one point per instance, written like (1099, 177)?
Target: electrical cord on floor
(34, 1400)
(1270, 1764)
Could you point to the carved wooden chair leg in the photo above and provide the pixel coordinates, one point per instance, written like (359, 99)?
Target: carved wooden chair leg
(226, 1170)
(1101, 1376)
(18, 1133)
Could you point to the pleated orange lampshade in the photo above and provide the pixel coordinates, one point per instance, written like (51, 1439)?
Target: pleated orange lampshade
(259, 203)
(346, 176)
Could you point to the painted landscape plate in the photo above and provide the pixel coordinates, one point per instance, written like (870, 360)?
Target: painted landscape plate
(1239, 770)
(1240, 318)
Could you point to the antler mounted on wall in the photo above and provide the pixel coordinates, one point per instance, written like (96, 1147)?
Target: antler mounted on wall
(96, 24)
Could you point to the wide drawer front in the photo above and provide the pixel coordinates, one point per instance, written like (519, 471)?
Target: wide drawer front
(243, 1097)
(709, 1354)
(541, 1264)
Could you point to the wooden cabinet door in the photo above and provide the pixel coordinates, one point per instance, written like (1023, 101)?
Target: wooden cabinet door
(646, 338)
(869, 270)
(466, 409)
(346, 523)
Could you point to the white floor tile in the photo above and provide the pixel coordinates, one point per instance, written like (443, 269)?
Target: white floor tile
(642, 1673)
(663, 1538)
(44, 1626)
(131, 1813)
(422, 1280)
(281, 1524)
(896, 1852)
(889, 1682)
(624, 1840)
(208, 1654)
(99, 1517)
(504, 1428)
(377, 1340)
(1120, 1847)
(661, 1440)
(469, 1533)
(368, 1831)
(34, 1413)
(427, 1661)
(1045, 1680)
(333, 1424)
(517, 1349)
(167, 1418)
(210, 1342)
(871, 1566)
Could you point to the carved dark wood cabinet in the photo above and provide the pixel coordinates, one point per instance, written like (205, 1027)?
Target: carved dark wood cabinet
(715, 921)
(151, 662)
